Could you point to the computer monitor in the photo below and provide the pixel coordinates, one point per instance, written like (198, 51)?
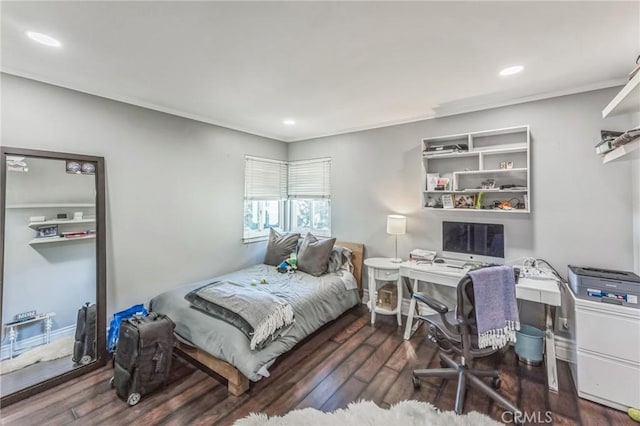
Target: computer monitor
(473, 242)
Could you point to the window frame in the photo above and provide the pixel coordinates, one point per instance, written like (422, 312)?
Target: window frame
(285, 205)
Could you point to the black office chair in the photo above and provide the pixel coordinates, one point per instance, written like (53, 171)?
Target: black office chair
(456, 334)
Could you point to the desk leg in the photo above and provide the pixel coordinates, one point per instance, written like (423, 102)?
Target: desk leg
(399, 304)
(550, 349)
(372, 295)
(412, 311)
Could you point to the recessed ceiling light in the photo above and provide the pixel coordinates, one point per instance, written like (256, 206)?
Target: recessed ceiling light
(43, 39)
(512, 70)
(289, 122)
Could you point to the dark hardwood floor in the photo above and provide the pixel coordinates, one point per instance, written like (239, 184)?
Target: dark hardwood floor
(33, 374)
(345, 361)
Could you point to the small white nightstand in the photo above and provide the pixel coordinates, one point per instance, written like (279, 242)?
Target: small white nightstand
(383, 269)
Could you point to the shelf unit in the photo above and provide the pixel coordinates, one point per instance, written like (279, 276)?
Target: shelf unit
(49, 240)
(86, 225)
(35, 225)
(484, 157)
(51, 206)
(627, 101)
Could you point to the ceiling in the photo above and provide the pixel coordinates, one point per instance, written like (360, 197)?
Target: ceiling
(333, 67)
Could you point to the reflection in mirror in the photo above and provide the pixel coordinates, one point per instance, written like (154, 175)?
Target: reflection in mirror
(49, 281)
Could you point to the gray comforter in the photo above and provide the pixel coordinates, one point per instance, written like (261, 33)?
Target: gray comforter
(315, 301)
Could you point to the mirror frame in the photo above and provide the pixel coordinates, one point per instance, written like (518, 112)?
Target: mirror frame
(101, 270)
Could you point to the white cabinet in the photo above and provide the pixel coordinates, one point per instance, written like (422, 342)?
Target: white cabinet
(383, 270)
(488, 171)
(606, 356)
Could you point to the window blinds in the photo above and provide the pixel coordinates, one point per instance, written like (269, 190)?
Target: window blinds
(310, 179)
(265, 179)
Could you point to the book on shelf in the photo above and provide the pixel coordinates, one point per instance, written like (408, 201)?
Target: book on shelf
(77, 234)
(446, 149)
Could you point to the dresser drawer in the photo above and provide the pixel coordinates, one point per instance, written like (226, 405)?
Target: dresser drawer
(608, 379)
(613, 335)
(386, 274)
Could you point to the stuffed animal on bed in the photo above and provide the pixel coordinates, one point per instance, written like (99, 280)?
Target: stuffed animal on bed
(286, 266)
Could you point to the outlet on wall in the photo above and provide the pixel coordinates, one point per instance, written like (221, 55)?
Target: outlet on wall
(563, 323)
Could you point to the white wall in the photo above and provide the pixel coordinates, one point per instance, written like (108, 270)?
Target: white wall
(635, 166)
(582, 209)
(174, 186)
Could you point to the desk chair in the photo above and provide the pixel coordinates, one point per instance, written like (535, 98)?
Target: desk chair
(456, 334)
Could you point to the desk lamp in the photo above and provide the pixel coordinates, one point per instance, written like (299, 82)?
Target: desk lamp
(396, 225)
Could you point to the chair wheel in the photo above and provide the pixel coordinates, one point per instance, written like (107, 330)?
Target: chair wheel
(496, 383)
(133, 399)
(416, 382)
(112, 382)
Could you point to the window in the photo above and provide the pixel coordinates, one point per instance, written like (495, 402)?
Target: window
(292, 196)
(265, 189)
(309, 192)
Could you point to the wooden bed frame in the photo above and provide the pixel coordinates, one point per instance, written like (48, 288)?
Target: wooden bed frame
(238, 383)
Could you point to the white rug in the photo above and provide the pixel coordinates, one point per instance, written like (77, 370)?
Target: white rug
(405, 413)
(54, 350)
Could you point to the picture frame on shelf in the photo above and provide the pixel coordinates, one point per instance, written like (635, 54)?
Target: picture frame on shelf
(465, 201)
(447, 201)
(432, 181)
(47, 231)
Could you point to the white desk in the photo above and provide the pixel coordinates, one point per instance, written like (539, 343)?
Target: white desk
(546, 292)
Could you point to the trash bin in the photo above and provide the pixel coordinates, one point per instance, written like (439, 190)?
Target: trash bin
(530, 344)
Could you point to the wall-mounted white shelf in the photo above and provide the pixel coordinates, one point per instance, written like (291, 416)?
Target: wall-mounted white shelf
(622, 152)
(36, 225)
(475, 191)
(480, 156)
(49, 240)
(482, 210)
(51, 206)
(487, 151)
(626, 101)
(490, 171)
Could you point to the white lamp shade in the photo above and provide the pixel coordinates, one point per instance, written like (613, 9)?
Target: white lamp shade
(396, 224)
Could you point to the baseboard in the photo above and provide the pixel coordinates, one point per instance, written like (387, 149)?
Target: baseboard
(564, 346)
(22, 345)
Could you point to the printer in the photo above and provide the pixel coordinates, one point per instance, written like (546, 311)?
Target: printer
(603, 285)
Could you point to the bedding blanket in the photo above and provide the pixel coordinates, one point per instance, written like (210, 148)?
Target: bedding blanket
(260, 315)
(315, 301)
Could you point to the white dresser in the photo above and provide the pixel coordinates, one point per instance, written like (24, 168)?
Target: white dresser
(606, 354)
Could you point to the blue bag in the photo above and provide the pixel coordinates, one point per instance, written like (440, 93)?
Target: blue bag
(114, 325)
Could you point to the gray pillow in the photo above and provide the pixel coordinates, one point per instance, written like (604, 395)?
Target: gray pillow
(313, 257)
(338, 257)
(280, 247)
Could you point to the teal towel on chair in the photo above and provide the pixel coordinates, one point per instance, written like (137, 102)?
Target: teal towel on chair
(497, 319)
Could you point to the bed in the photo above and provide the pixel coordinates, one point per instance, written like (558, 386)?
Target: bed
(222, 348)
